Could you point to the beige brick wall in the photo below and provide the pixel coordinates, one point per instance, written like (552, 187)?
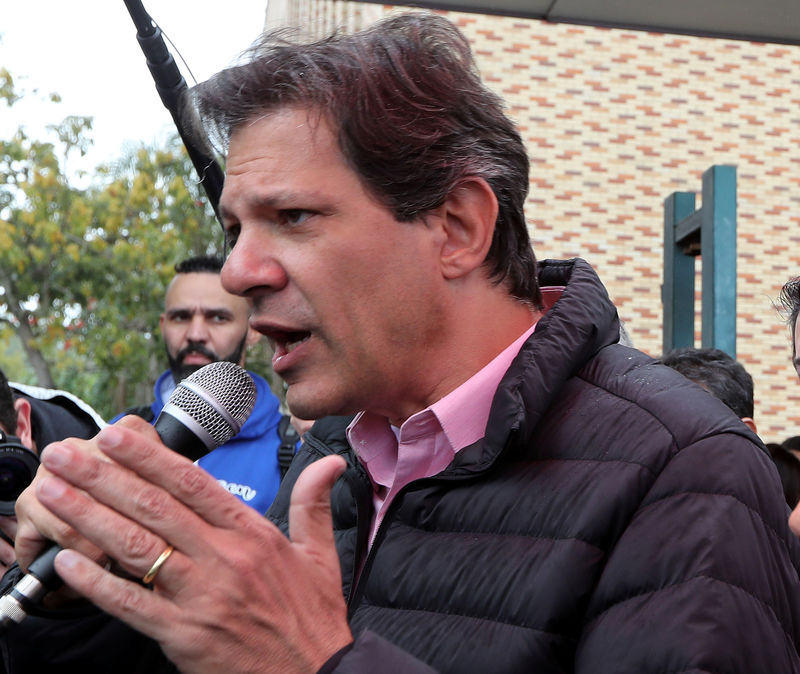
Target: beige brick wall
(615, 121)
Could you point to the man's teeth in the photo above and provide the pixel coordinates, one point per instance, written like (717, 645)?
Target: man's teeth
(291, 346)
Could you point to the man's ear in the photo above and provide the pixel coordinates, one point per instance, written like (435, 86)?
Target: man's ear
(750, 424)
(24, 430)
(468, 217)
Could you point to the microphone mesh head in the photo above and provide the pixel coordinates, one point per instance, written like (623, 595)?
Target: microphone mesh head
(218, 397)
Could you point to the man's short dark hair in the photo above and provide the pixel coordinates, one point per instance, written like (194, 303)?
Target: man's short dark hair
(792, 442)
(200, 263)
(412, 115)
(789, 304)
(788, 466)
(8, 415)
(718, 373)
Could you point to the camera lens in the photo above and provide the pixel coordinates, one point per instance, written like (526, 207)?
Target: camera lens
(14, 477)
(17, 468)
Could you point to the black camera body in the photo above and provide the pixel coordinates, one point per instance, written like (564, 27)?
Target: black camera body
(18, 466)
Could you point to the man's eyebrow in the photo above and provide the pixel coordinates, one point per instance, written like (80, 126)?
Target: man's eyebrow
(206, 311)
(258, 202)
(217, 311)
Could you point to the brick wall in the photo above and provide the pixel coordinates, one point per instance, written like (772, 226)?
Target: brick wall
(615, 121)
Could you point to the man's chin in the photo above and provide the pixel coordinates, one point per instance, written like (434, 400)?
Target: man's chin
(312, 402)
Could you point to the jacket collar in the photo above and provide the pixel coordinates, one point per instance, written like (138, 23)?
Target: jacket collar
(581, 322)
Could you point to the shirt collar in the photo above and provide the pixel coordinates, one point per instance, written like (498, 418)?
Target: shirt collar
(460, 416)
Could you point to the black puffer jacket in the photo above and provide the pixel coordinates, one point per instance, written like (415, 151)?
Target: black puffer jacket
(615, 518)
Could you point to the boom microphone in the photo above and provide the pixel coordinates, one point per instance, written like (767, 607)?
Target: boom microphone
(204, 411)
(172, 89)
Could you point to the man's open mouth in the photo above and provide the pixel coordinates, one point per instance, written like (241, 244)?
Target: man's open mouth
(285, 342)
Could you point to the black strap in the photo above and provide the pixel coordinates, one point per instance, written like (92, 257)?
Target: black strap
(289, 438)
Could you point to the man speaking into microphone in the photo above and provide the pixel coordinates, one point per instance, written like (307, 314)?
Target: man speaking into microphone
(522, 492)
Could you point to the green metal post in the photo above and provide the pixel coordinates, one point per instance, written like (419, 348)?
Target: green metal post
(677, 291)
(718, 235)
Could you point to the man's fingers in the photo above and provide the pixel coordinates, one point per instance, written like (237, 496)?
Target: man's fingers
(146, 482)
(7, 555)
(8, 525)
(158, 465)
(138, 424)
(142, 609)
(37, 526)
(310, 522)
(133, 520)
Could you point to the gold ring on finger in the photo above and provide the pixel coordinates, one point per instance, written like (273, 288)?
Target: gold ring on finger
(153, 572)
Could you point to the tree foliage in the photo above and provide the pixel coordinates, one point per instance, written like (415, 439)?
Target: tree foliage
(83, 269)
(149, 214)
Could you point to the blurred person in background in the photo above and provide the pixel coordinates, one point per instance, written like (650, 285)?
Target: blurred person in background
(792, 443)
(31, 418)
(718, 373)
(788, 466)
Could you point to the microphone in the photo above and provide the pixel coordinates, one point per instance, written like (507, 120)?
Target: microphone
(204, 411)
(172, 89)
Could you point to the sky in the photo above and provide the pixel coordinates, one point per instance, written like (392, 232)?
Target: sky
(87, 52)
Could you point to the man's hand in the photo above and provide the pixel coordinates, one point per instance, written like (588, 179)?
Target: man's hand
(36, 527)
(235, 595)
(8, 527)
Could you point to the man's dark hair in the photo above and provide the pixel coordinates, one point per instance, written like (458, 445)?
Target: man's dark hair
(8, 415)
(789, 304)
(788, 466)
(200, 263)
(412, 115)
(718, 373)
(792, 442)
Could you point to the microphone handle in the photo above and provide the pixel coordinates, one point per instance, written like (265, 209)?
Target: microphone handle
(42, 567)
(29, 591)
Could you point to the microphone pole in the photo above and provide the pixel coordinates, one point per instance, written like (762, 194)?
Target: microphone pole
(172, 88)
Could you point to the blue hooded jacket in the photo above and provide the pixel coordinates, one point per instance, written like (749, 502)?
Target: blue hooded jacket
(247, 466)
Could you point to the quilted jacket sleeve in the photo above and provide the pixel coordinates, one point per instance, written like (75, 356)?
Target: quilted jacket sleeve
(369, 650)
(704, 577)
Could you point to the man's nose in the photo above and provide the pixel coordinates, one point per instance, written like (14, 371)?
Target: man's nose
(252, 266)
(198, 329)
